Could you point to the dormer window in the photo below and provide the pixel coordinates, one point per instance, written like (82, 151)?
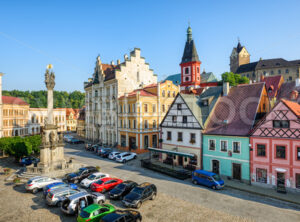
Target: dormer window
(178, 106)
(281, 123)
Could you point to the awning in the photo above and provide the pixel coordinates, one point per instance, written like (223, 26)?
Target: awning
(171, 152)
(280, 170)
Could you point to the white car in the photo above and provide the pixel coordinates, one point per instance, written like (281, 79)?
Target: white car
(92, 178)
(124, 157)
(37, 183)
(113, 155)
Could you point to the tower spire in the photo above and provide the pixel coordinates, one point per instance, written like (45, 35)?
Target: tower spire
(189, 34)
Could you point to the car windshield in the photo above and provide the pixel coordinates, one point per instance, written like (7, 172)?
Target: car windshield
(138, 190)
(99, 182)
(29, 182)
(120, 186)
(216, 177)
(79, 171)
(118, 156)
(92, 177)
(84, 214)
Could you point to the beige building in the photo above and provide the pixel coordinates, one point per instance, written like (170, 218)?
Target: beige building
(15, 116)
(109, 82)
(71, 116)
(140, 113)
(37, 116)
(240, 64)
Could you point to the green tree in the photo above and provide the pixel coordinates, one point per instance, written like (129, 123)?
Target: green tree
(35, 142)
(234, 79)
(22, 148)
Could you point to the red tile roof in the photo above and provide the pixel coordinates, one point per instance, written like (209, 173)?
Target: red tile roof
(272, 84)
(295, 107)
(151, 85)
(13, 100)
(235, 113)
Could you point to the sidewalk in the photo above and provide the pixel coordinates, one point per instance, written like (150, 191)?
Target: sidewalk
(291, 197)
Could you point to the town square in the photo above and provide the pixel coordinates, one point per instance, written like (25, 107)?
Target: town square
(114, 111)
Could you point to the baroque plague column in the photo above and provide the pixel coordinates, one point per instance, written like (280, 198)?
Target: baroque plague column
(52, 147)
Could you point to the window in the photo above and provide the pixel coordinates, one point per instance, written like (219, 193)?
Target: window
(298, 153)
(287, 71)
(174, 93)
(146, 124)
(169, 135)
(163, 93)
(153, 108)
(290, 78)
(169, 94)
(179, 136)
(154, 124)
(193, 138)
(129, 124)
(236, 147)
(261, 175)
(223, 146)
(281, 123)
(178, 106)
(280, 152)
(186, 79)
(138, 76)
(184, 119)
(272, 72)
(298, 180)
(133, 108)
(174, 119)
(261, 150)
(187, 70)
(163, 108)
(134, 124)
(198, 70)
(121, 123)
(145, 108)
(279, 71)
(212, 144)
(128, 108)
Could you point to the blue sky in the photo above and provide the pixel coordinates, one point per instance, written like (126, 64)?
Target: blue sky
(70, 34)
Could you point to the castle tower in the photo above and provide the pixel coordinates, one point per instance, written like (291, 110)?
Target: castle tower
(239, 56)
(190, 64)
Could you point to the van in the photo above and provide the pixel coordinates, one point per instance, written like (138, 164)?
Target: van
(208, 179)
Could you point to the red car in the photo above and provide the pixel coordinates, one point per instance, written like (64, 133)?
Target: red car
(105, 184)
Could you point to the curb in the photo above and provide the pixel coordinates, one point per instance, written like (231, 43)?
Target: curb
(263, 194)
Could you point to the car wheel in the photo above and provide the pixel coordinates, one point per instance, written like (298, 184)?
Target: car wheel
(153, 196)
(124, 161)
(213, 187)
(100, 202)
(134, 157)
(35, 190)
(139, 204)
(195, 182)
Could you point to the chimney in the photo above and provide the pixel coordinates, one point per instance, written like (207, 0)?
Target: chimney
(225, 88)
(297, 81)
(118, 62)
(112, 62)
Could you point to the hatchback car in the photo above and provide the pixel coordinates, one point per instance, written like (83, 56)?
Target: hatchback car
(71, 203)
(37, 183)
(105, 184)
(81, 174)
(95, 212)
(113, 155)
(126, 156)
(55, 197)
(26, 161)
(208, 179)
(92, 178)
(139, 194)
(57, 185)
(122, 189)
(123, 215)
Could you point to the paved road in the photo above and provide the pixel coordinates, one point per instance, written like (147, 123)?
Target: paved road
(228, 200)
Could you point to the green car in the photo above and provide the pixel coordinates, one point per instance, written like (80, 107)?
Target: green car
(95, 212)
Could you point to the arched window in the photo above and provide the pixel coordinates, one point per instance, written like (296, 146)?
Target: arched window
(174, 93)
(169, 94)
(186, 70)
(145, 108)
(163, 93)
(32, 119)
(186, 79)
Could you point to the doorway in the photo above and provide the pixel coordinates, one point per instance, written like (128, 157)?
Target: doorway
(146, 142)
(154, 141)
(236, 171)
(216, 166)
(180, 160)
(132, 143)
(280, 179)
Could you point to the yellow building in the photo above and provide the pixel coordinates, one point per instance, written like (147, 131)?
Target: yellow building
(15, 116)
(140, 113)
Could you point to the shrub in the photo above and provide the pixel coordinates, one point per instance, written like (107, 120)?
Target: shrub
(17, 180)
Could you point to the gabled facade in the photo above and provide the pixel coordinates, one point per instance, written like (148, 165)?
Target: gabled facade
(226, 138)
(275, 143)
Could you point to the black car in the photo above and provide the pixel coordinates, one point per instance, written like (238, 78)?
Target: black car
(105, 152)
(139, 194)
(81, 174)
(123, 215)
(122, 189)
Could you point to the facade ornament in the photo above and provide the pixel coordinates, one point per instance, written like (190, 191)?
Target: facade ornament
(52, 139)
(49, 78)
(44, 139)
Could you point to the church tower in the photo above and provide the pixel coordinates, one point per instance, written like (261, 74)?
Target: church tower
(239, 56)
(190, 64)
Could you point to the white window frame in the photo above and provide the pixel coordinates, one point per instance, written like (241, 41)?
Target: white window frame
(221, 146)
(240, 147)
(209, 144)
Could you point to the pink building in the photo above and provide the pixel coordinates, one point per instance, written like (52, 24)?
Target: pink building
(275, 148)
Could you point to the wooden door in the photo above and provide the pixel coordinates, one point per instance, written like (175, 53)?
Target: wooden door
(236, 171)
(215, 166)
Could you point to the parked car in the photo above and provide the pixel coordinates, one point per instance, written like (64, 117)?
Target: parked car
(57, 185)
(139, 194)
(100, 150)
(76, 141)
(56, 196)
(37, 183)
(92, 178)
(122, 189)
(26, 161)
(105, 184)
(113, 155)
(81, 174)
(95, 212)
(105, 152)
(208, 179)
(123, 215)
(126, 156)
(70, 204)
(88, 146)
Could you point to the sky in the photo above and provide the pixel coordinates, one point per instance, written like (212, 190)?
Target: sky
(71, 34)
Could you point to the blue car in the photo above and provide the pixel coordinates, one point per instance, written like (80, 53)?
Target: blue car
(56, 185)
(26, 161)
(208, 179)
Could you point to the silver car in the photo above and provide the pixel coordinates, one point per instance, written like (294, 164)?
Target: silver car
(70, 204)
(37, 183)
(55, 197)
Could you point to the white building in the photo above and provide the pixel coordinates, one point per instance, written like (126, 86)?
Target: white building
(36, 119)
(109, 82)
